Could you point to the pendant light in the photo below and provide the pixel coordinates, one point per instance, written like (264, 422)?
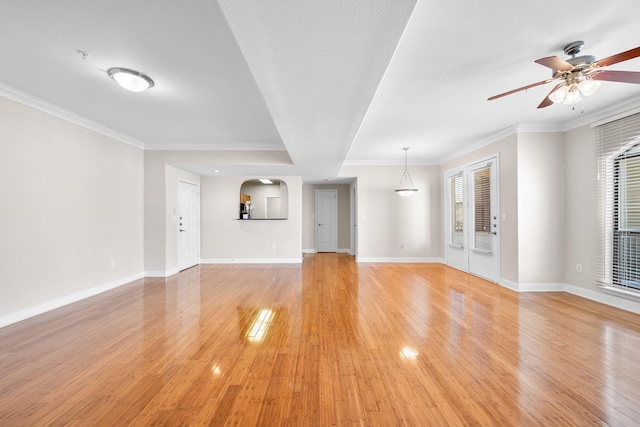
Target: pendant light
(406, 187)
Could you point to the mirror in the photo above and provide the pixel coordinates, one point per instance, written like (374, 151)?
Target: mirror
(264, 199)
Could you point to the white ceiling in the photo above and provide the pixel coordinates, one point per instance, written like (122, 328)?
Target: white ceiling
(328, 81)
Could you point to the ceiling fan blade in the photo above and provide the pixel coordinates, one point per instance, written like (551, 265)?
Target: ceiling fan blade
(555, 63)
(617, 76)
(520, 89)
(546, 101)
(623, 56)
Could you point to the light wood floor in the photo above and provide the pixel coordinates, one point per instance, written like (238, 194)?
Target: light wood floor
(334, 343)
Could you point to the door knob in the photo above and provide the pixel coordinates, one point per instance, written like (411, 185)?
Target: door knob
(181, 230)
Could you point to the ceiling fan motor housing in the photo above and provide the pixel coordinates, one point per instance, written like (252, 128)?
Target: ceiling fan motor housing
(574, 48)
(582, 61)
(581, 68)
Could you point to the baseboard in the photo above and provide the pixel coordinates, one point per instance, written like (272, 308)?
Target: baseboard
(604, 298)
(508, 284)
(532, 287)
(408, 259)
(339, 251)
(601, 297)
(253, 261)
(161, 273)
(66, 300)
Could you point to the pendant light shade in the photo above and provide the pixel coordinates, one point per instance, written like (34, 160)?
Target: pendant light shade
(406, 187)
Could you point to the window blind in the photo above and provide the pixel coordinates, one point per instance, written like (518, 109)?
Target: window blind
(482, 209)
(457, 210)
(618, 234)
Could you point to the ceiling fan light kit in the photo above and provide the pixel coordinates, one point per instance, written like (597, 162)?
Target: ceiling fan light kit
(406, 186)
(579, 76)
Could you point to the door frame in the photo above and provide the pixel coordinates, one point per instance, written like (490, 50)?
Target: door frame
(456, 256)
(449, 249)
(354, 220)
(334, 213)
(179, 244)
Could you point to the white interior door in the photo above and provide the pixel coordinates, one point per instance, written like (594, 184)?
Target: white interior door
(274, 207)
(327, 217)
(188, 225)
(472, 219)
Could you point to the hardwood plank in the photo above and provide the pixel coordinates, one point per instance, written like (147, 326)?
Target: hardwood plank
(330, 342)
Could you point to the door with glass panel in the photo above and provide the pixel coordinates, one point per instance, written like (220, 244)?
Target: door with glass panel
(456, 244)
(472, 219)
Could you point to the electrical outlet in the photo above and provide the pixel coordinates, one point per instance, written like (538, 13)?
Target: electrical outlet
(401, 246)
(579, 268)
(273, 247)
(113, 263)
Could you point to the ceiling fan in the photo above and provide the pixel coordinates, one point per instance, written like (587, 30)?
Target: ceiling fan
(579, 75)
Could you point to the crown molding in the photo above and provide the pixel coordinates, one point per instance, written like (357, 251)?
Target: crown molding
(390, 163)
(540, 127)
(490, 139)
(218, 146)
(616, 112)
(24, 98)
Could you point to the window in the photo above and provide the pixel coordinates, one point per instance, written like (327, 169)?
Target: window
(626, 219)
(482, 209)
(457, 210)
(618, 150)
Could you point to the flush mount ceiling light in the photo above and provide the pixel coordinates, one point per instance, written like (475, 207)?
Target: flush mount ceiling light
(406, 187)
(265, 181)
(131, 80)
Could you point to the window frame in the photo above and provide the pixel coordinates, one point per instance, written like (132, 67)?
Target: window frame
(618, 246)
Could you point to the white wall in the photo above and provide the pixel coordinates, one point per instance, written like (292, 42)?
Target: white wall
(392, 227)
(541, 208)
(160, 243)
(72, 202)
(224, 238)
(580, 213)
